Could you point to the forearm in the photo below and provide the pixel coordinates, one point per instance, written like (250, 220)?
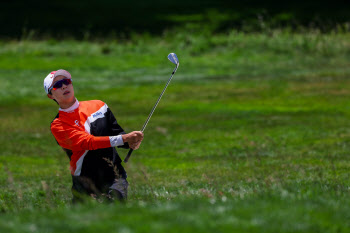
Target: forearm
(87, 142)
(73, 139)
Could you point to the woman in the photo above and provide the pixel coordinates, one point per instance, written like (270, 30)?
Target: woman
(88, 132)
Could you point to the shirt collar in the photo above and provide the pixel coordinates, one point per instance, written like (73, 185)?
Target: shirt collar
(71, 108)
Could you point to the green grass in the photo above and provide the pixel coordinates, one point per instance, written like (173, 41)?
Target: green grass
(252, 135)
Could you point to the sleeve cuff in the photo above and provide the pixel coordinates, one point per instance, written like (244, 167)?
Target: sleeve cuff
(116, 140)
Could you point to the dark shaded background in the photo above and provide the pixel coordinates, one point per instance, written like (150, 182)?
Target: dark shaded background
(80, 19)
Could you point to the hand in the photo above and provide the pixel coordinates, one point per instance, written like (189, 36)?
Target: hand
(134, 139)
(135, 146)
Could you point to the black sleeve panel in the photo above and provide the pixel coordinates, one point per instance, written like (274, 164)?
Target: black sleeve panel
(115, 128)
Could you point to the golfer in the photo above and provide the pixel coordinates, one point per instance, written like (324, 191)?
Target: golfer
(88, 132)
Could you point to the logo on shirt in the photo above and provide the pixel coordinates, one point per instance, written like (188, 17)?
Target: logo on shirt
(77, 123)
(96, 114)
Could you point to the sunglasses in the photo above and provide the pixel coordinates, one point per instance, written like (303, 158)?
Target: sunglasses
(58, 84)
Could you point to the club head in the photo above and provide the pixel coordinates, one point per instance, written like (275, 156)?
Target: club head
(173, 58)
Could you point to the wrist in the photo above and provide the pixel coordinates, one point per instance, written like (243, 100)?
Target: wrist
(124, 137)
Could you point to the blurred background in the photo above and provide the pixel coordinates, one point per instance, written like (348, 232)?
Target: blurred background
(91, 19)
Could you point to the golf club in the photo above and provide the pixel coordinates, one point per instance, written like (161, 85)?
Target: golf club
(173, 58)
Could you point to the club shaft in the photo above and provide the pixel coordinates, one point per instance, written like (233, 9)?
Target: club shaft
(155, 106)
(151, 113)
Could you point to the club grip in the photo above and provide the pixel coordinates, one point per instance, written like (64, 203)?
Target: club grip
(128, 156)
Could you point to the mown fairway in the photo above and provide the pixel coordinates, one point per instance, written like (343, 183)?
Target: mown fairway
(252, 135)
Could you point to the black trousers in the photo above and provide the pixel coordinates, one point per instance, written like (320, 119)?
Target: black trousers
(84, 188)
(101, 176)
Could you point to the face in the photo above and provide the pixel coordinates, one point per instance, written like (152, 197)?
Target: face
(64, 95)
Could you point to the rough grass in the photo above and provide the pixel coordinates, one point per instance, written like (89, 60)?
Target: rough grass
(252, 135)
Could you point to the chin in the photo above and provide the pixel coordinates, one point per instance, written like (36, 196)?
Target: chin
(69, 98)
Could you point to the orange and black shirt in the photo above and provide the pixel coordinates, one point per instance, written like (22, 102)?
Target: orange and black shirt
(84, 132)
